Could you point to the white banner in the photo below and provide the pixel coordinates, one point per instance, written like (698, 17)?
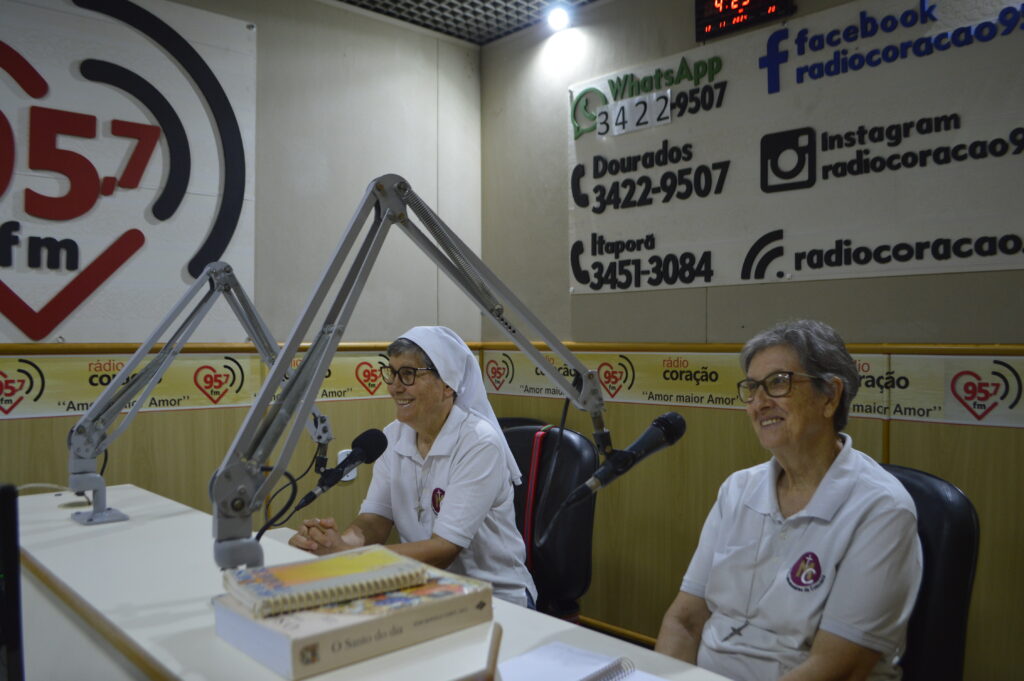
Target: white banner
(126, 165)
(875, 139)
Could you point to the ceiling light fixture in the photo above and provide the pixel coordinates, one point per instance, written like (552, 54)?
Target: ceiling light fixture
(558, 19)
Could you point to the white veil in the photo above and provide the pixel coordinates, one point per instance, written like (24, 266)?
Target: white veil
(459, 368)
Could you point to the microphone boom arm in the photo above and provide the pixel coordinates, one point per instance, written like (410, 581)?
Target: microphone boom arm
(234, 490)
(130, 389)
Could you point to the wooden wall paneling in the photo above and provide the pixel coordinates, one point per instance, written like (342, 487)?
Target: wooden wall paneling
(35, 450)
(174, 453)
(988, 465)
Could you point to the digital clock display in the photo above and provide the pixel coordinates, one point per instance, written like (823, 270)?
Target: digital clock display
(715, 17)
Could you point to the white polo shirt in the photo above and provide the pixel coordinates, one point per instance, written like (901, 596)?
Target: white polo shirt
(849, 563)
(461, 491)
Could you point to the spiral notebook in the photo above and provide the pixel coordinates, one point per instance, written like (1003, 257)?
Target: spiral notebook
(561, 662)
(305, 584)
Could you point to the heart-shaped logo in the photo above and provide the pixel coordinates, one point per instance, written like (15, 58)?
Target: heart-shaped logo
(211, 383)
(978, 397)
(610, 378)
(496, 373)
(12, 392)
(36, 325)
(368, 377)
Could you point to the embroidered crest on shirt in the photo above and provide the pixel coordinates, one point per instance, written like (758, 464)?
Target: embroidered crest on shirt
(435, 499)
(806, 574)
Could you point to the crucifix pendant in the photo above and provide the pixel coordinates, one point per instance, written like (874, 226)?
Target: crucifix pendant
(737, 631)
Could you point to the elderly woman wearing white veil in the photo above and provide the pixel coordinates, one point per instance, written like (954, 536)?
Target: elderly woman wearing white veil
(445, 480)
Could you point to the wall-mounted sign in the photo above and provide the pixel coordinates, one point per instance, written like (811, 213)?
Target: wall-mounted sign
(126, 164)
(873, 139)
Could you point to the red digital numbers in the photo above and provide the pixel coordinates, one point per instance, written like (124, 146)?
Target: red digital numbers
(730, 5)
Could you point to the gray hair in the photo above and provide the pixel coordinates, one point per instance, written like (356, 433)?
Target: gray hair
(400, 346)
(822, 354)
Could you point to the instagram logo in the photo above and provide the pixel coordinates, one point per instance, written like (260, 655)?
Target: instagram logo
(788, 160)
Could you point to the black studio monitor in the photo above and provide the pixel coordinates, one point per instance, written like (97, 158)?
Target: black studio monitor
(11, 651)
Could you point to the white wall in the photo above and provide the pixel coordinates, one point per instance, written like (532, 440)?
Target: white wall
(342, 98)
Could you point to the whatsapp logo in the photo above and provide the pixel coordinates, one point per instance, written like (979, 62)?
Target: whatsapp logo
(583, 119)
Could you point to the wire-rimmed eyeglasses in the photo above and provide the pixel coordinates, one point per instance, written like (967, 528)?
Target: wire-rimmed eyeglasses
(407, 375)
(777, 384)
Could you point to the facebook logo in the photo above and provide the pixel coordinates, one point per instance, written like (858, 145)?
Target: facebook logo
(773, 58)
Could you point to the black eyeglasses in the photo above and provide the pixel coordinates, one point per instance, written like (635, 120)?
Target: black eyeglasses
(407, 375)
(777, 384)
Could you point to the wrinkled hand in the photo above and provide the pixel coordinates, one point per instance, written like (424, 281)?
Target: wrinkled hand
(321, 536)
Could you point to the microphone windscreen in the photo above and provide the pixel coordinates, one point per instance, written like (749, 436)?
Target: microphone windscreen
(371, 443)
(672, 424)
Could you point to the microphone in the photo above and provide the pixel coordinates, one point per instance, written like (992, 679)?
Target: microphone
(366, 448)
(663, 431)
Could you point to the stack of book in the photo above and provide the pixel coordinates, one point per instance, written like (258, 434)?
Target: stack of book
(309, 617)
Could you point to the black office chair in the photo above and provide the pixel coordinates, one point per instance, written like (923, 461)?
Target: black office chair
(561, 566)
(948, 527)
(506, 422)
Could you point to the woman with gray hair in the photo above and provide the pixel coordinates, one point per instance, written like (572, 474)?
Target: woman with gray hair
(808, 565)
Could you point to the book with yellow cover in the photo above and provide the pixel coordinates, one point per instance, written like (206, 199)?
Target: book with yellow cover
(310, 583)
(299, 644)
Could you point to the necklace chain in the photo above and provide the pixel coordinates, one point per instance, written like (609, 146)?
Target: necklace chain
(738, 631)
(421, 479)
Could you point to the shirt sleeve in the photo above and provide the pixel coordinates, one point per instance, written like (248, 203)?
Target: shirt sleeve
(877, 582)
(478, 477)
(695, 581)
(378, 496)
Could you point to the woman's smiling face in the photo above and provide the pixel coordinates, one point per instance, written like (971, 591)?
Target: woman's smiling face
(795, 421)
(422, 404)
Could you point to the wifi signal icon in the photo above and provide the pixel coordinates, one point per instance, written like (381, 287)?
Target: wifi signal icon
(237, 373)
(762, 261)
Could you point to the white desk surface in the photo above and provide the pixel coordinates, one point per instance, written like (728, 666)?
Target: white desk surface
(145, 585)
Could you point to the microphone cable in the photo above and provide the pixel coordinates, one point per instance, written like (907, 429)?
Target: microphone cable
(546, 487)
(319, 456)
(294, 486)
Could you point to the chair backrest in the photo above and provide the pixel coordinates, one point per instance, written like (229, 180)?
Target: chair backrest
(560, 566)
(513, 421)
(948, 527)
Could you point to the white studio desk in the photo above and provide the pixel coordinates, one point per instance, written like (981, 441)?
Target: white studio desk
(131, 600)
